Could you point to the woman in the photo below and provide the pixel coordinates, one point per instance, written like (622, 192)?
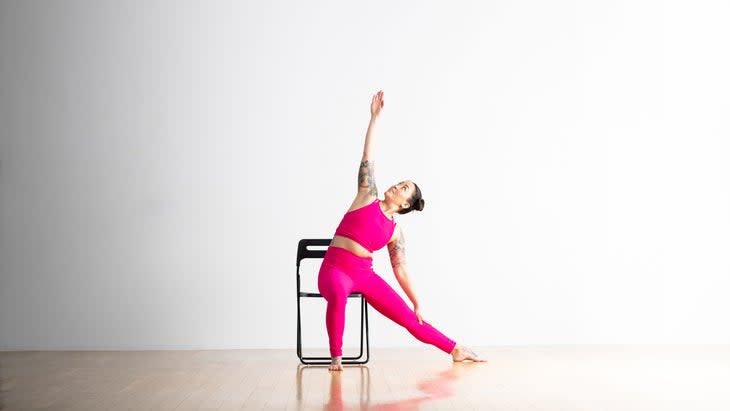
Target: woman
(347, 266)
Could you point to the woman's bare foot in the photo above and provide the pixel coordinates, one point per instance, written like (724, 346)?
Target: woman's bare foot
(461, 353)
(336, 364)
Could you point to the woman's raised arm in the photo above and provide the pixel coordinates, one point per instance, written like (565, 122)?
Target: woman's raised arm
(366, 173)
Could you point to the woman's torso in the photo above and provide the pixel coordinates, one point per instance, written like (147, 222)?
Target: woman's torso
(352, 245)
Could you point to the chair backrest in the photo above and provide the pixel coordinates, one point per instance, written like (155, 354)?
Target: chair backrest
(303, 252)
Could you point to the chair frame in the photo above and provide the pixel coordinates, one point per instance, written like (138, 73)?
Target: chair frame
(302, 253)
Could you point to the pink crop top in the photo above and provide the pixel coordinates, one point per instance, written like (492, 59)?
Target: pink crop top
(367, 226)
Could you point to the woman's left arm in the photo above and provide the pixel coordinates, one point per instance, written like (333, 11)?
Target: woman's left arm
(366, 174)
(397, 251)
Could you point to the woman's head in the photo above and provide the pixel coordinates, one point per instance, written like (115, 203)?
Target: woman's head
(406, 195)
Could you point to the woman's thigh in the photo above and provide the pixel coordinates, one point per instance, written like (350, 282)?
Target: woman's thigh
(381, 296)
(334, 282)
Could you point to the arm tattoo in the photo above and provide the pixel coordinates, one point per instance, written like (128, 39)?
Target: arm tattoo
(366, 177)
(398, 252)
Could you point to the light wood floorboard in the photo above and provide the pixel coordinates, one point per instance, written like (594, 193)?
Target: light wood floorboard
(559, 377)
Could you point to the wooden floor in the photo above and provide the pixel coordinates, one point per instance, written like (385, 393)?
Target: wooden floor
(515, 378)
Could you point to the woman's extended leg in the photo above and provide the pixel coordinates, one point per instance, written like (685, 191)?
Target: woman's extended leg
(383, 298)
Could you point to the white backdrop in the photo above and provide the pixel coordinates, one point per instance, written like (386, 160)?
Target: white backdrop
(159, 162)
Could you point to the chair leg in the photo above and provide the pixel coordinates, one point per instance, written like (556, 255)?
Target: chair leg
(367, 337)
(364, 332)
(299, 329)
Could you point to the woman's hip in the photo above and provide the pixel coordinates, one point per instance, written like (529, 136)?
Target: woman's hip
(345, 260)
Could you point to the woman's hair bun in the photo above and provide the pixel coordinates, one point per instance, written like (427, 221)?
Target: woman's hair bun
(416, 202)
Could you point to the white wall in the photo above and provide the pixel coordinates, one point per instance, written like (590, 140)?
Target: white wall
(159, 162)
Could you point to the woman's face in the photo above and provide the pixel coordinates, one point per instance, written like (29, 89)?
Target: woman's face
(400, 193)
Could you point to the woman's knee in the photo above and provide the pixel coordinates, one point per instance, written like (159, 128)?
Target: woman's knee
(333, 284)
(335, 293)
(336, 297)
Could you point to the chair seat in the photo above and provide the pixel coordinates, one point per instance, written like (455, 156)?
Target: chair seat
(303, 294)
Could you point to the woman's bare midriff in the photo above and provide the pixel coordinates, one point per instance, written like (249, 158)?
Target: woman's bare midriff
(350, 245)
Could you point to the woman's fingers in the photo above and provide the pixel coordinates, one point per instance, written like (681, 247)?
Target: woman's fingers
(377, 103)
(419, 317)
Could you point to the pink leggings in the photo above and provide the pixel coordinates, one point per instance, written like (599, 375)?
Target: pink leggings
(342, 273)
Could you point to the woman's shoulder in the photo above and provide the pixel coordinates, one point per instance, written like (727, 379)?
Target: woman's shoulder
(362, 200)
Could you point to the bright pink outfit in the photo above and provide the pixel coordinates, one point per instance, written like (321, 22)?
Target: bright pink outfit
(343, 272)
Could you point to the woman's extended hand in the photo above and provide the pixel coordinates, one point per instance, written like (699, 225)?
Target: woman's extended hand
(417, 310)
(377, 104)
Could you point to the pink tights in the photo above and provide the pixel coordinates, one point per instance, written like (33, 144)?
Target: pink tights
(342, 273)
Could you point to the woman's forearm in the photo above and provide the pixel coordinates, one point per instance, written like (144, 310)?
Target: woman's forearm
(407, 286)
(367, 151)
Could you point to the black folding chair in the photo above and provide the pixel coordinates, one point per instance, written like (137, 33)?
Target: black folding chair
(302, 253)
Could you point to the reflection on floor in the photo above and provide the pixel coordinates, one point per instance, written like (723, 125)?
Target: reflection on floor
(557, 377)
(438, 387)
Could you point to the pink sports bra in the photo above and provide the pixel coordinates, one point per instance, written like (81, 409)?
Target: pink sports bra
(367, 226)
